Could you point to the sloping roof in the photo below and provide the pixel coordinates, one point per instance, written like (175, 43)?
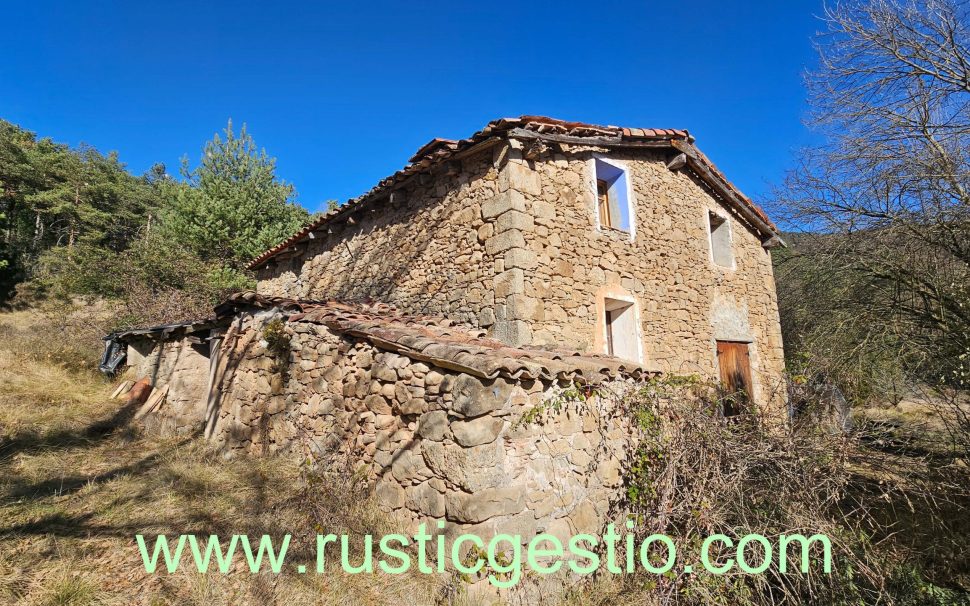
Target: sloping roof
(435, 340)
(439, 150)
(454, 348)
(164, 331)
(444, 343)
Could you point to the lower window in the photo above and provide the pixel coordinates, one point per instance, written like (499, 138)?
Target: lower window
(621, 330)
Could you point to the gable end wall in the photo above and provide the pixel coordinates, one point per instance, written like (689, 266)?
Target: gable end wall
(685, 302)
(431, 254)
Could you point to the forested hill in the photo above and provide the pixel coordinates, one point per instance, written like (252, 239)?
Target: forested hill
(75, 221)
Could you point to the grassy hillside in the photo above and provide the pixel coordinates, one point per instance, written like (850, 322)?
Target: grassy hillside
(77, 483)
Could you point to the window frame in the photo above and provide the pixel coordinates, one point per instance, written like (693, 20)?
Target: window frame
(593, 187)
(604, 323)
(708, 213)
(603, 205)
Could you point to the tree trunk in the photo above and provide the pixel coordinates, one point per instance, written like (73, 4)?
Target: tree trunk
(38, 233)
(9, 207)
(72, 235)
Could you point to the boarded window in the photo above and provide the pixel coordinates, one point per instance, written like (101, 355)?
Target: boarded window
(720, 236)
(621, 330)
(612, 196)
(735, 366)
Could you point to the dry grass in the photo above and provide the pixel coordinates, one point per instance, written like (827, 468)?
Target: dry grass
(77, 483)
(63, 335)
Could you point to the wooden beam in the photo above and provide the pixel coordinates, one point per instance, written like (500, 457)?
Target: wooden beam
(122, 389)
(212, 391)
(521, 133)
(292, 251)
(773, 242)
(154, 401)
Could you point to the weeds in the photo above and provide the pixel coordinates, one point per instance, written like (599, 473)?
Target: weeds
(278, 345)
(692, 473)
(76, 484)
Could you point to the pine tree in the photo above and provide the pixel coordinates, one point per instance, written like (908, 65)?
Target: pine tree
(56, 200)
(232, 206)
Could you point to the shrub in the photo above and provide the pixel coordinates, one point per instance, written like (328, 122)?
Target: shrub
(692, 474)
(153, 282)
(278, 344)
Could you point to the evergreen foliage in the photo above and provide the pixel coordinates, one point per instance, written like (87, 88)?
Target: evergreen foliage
(75, 222)
(54, 198)
(232, 206)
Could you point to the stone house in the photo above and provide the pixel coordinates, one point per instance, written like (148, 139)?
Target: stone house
(619, 241)
(411, 329)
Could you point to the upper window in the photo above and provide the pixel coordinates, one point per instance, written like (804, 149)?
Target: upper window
(720, 237)
(612, 196)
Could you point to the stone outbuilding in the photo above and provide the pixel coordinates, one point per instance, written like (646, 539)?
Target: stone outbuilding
(433, 409)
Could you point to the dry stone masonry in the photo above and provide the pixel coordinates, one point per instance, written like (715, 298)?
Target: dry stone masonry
(436, 414)
(439, 443)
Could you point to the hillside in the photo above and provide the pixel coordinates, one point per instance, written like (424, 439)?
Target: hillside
(79, 481)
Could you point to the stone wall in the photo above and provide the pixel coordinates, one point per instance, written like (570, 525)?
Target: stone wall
(566, 266)
(440, 444)
(184, 367)
(426, 252)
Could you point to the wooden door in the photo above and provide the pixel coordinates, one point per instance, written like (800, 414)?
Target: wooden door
(733, 360)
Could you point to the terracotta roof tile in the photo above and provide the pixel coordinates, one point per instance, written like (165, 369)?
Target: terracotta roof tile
(435, 145)
(442, 342)
(433, 339)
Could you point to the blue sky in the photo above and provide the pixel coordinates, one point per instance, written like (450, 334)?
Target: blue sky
(343, 93)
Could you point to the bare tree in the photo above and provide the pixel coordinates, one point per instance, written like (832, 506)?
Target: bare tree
(885, 202)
